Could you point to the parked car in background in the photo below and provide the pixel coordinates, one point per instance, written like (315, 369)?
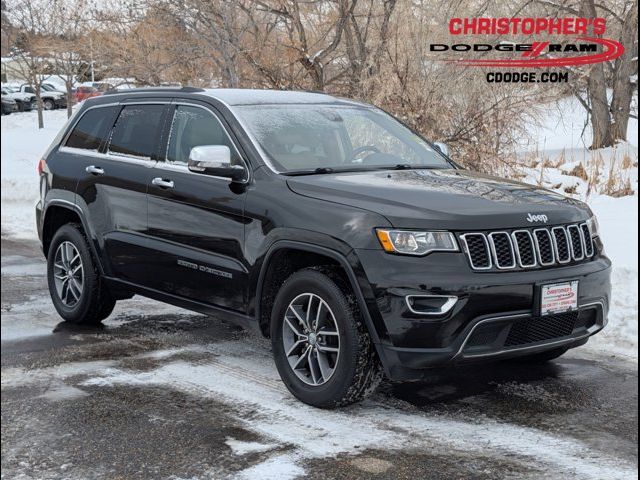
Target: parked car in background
(100, 86)
(50, 99)
(83, 92)
(8, 104)
(24, 101)
(52, 87)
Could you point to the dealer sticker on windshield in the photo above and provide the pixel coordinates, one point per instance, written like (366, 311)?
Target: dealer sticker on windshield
(559, 297)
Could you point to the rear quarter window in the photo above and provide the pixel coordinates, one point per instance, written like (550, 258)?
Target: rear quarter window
(92, 129)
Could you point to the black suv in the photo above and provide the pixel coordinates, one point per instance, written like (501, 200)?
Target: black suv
(357, 246)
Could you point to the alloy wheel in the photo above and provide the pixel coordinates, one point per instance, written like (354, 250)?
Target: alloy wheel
(311, 339)
(68, 274)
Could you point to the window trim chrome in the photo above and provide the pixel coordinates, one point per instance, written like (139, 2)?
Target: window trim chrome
(106, 156)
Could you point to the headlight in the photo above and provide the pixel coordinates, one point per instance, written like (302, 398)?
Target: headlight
(594, 228)
(416, 243)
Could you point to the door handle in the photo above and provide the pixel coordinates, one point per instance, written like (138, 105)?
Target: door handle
(162, 183)
(94, 170)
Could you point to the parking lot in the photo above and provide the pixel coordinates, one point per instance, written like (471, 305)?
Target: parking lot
(159, 392)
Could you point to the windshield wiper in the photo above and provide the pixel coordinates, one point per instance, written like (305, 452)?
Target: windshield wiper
(326, 170)
(315, 171)
(408, 166)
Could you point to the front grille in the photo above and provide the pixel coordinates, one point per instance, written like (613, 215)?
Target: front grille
(503, 334)
(502, 250)
(525, 248)
(561, 244)
(575, 237)
(528, 248)
(478, 250)
(588, 241)
(544, 247)
(540, 329)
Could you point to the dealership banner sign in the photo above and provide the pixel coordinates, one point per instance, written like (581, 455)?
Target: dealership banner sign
(581, 42)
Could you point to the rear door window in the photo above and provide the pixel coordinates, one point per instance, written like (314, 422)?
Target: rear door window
(92, 129)
(137, 131)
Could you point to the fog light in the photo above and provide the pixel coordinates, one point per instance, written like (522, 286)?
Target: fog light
(430, 304)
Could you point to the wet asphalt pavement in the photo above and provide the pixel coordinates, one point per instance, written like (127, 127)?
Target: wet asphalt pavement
(162, 393)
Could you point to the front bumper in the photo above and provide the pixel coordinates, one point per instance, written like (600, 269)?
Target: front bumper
(495, 316)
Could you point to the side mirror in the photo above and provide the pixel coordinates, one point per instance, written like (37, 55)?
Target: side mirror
(215, 160)
(442, 147)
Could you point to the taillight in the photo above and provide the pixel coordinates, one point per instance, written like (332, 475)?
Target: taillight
(41, 165)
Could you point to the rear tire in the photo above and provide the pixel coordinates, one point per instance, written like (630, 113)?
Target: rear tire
(541, 357)
(335, 363)
(48, 104)
(76, 288)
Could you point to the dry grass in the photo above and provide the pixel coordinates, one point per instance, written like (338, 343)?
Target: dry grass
(578, 171)
(573, 189)
(627, 162)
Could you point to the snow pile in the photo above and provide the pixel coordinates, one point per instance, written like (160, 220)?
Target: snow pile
(23, 145)
(556, 155)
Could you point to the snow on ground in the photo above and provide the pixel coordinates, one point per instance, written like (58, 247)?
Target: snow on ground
(241, 375)
(558, 144)
(556, 155)
(22, 147)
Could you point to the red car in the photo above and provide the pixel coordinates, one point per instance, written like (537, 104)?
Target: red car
(82, 93)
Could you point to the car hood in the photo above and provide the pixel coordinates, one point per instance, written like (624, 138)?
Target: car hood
(446, 199)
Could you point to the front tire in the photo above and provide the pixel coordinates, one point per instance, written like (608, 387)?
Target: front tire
(77, 291)
(321, 346)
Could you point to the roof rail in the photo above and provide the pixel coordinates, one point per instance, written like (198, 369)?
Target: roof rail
(155, 89)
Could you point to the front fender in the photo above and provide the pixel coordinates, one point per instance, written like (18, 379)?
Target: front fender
(344, 256)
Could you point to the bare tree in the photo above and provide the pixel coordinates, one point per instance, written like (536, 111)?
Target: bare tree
(624, 68)
(67, 47)
(609, 114)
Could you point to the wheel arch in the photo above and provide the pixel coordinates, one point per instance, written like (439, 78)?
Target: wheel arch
(61, 212)
(265, 298)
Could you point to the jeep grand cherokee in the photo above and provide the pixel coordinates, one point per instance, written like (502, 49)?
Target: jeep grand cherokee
(357, 246)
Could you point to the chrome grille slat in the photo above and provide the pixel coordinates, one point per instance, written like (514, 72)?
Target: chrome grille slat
(561, 244)
(588, 241)
(477, 248)
(502, 250)
(544, 247)
(525, 248)
(528, 248)
(576, 242)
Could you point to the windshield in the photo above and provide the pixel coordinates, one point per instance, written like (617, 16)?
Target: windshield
(310, 137)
